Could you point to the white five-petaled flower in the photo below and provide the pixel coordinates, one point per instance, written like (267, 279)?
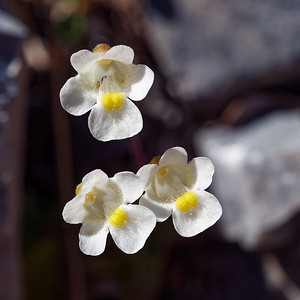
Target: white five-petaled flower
(174, 186)
(102, 205)
(106, 83)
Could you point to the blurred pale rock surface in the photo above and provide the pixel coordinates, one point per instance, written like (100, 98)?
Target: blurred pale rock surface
(11, 27)
(212, 46)
(257, 175)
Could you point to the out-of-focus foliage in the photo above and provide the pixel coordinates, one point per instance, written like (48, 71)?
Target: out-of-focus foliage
(72, 29)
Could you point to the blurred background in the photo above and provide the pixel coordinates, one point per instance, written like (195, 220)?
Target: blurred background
(227, 86)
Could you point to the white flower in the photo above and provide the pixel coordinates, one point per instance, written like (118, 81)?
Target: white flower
(174, 186)
(102, 205)
(105, 83)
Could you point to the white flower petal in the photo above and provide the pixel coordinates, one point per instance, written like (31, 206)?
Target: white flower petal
(92, 238)
(121, 53)
(130, 184)
(95, 178)
(141, 82)
(83, 60)
(146, 173)
(131, 237)
(203, 169)
(75, 98)
(74, 211)
(161, 210)
(173, 156)
(120, 124)
(199, 218)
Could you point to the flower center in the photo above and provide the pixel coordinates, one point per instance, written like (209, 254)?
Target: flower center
(89, 198)
(112, 101)
(163, 171)
(187, 201)
(99, 203)
(169, 183)
(118, 217)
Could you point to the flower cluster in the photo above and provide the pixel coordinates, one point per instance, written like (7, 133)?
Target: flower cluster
(106, 83)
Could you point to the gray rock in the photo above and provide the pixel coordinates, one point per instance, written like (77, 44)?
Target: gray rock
(208, 47)
(257, 175)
